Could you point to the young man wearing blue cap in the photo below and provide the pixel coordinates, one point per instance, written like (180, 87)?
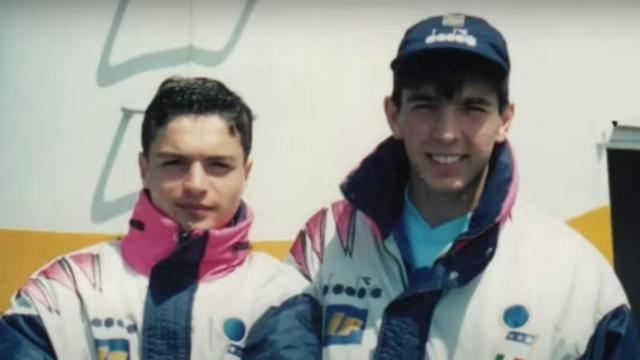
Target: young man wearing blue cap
(430, 254)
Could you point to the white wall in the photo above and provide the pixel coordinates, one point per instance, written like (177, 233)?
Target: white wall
(314, 72)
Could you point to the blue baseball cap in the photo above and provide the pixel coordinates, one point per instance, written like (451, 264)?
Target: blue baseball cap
(454, 32)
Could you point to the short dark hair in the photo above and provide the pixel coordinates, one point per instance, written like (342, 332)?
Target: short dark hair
(178, 96)
(448, 71)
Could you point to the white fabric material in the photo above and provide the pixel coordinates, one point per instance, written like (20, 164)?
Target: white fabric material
(119, 294)
(564, 283)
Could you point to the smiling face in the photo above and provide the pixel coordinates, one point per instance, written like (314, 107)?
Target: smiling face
(195, 171)
(449, 141)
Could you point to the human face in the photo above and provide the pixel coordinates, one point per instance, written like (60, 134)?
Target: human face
(196, 172)
(449, 141)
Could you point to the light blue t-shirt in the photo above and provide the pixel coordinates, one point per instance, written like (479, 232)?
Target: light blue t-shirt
(424, 242)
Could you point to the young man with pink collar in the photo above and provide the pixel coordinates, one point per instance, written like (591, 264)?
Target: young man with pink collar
(183, 283)
(431, 255)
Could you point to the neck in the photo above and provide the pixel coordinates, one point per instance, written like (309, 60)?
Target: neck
(438, 208)
(152, 239)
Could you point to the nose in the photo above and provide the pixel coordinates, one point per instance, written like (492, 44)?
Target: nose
(446, 128)
(195, 179)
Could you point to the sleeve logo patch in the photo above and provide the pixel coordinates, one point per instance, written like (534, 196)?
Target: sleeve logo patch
(344, 324)
(113, 349)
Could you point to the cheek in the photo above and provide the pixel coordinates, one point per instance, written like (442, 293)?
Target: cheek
(416, 131)
(415, 122)
(415, 153)
(486, 137)
(163, 188)
(229, 187)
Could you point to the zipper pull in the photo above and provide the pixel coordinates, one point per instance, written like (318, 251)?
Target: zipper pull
(184, 237)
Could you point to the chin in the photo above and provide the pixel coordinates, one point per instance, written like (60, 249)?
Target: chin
(208, 225)
(445, 186)
(200, 227)
(197, 225)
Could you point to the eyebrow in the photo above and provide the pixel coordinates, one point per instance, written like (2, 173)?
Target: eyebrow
(172, 155)
(422, 97)
(168, 154)
(477, 101)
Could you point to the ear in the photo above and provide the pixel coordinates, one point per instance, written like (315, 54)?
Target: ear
(143, 166)
(248, 165)
(505, 118)
(391, 111)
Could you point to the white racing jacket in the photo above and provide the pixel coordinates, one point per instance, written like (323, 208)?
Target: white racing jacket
(150, 296)
(516, 285)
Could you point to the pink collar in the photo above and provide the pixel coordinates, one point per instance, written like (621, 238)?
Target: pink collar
(153, 236)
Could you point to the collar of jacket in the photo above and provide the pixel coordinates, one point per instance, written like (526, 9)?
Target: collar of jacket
(376, 187)
(153, 237)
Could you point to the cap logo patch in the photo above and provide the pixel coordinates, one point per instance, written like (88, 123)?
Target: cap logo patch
(460, 36)
(455, 20)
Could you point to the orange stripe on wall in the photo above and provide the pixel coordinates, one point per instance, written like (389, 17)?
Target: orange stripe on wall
(24, 251)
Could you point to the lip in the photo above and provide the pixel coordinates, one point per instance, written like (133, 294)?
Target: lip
(194, 207)
(461, 157)
(446, 169)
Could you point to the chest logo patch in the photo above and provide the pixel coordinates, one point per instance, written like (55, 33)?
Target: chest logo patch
(344, 325)
(515, 316)
(235, 330)
(516, 344)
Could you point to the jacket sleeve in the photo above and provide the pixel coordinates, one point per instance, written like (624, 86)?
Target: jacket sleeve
(615, 337)
(23, 334)
(289, 331)
(47, 318)
(306, 253)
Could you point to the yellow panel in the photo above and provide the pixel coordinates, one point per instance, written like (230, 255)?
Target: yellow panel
(22, 252)
(595, 225)
(279, 249)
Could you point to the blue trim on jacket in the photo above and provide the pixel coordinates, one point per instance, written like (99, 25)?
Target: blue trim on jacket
(168, 309)
(24, 337)
(615, 338)
(289, 331)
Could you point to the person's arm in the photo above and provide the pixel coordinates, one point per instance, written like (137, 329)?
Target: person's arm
(289, 331)
(615, 337)
(23, 334)
(293, 330)
(47, 318)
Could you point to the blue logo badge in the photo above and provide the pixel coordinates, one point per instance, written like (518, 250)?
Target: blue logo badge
(515, 316)
(234, 329)
(344, 324)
